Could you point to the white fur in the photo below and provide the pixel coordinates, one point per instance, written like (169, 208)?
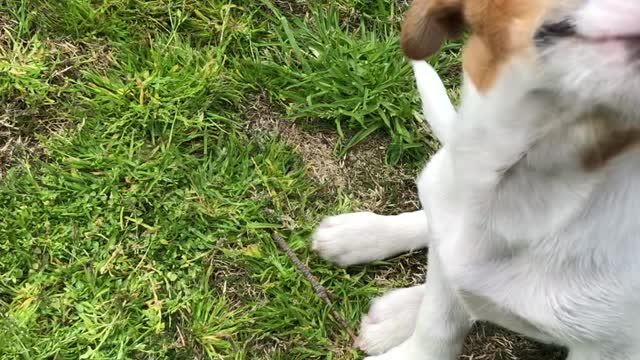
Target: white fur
(436, 104)
(363, 237)
(519, 233)
(391, 320)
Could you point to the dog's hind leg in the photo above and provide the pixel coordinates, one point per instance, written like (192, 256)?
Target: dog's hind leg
(363, 237)
(436, 105)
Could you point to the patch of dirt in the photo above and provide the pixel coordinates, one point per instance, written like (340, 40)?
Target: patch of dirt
(16, 141)
(295, 8)
(362, 173)
(405, 270)
(7, 24)
(489, 342)
(231, 280)
(23, 119)
(71, 57)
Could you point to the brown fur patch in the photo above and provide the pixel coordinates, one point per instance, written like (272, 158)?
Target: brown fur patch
(609, 144)
(427, 24)
(500, 30)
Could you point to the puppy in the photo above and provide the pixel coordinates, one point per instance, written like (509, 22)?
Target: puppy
(531, 205)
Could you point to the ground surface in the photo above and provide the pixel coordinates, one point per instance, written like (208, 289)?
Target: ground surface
(148, 148)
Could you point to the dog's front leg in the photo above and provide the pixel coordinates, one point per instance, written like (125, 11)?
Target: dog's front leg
(442, 322)
(362, 237)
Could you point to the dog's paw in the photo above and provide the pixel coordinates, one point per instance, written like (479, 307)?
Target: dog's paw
(355, 238)
(391, 320)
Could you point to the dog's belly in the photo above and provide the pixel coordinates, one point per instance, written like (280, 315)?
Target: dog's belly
(484, 309)
(516, 293)
(519, 293)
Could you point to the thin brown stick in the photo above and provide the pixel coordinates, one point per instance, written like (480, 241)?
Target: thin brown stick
(319, 289)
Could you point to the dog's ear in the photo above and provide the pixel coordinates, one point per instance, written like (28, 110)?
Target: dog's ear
(428, 23)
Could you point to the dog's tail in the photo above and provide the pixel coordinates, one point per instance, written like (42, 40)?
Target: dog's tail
(436, 105)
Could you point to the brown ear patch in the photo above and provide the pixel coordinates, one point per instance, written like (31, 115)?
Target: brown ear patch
(501, 31)
(427, 24)
(608, 146)
(479, 63)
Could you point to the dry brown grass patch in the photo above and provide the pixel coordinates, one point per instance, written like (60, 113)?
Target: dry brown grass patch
(489, 342)
(24, 119)
(362, 173)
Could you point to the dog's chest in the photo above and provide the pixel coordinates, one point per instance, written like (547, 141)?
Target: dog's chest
(528, 263)
(494, 274)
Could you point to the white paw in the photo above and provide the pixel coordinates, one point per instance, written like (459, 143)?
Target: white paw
(356, 238)
(391, 320)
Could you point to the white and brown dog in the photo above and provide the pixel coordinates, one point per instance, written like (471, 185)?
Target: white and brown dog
(532, 206)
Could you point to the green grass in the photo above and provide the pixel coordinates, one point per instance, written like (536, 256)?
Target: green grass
(136, 216)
